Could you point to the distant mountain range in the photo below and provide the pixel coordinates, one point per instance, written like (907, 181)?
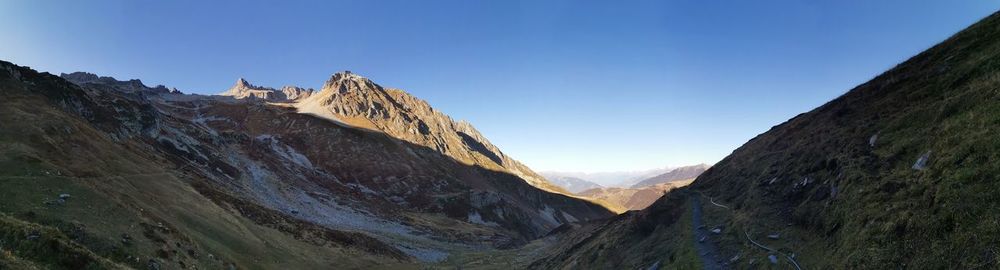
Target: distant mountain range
(622, 179)
(609, 179)
(634, 198)
(572, 184)
(680, 173)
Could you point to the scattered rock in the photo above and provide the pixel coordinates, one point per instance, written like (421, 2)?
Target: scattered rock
(871, 141)
(64, 196)
(735, 258)
(772, 180)
(34, 235)
(774, 236)
(805, 182)
(717, 230)
(921, 163)
(702, 239)
(773, 259)
(126, 239)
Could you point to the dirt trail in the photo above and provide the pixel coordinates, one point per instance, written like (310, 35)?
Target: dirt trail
(707, 251)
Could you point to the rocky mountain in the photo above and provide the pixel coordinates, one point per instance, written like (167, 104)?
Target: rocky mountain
(679, 173)
(130, 86)
(572, 184)
(899, 172)
(633, 198)
(356, 101)
(101, 173)
(244, 90)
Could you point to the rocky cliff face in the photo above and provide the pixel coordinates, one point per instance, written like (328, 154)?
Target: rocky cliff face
(244, 90)
(354, 100)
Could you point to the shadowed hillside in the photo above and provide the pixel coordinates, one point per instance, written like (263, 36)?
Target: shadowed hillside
(900, 172)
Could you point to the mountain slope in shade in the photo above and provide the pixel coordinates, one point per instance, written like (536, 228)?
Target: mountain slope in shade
(633, 198)
(161, 179)
(572, 184)
(679, 173)
(899, 172)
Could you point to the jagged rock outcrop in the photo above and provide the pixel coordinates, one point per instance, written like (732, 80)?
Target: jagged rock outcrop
(130, 86)
(245, 90)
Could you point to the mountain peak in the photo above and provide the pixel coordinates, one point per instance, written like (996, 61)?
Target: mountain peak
(346, 80)
(242, 83)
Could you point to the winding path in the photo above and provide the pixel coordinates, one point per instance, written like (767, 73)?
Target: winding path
(697, 212)
(707, 251)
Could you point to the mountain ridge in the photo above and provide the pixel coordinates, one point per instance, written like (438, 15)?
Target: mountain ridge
(183, 176)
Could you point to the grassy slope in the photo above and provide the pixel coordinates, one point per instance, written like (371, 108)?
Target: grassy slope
(119, 189)
(862, 206)
(865, 206)
(637, 239)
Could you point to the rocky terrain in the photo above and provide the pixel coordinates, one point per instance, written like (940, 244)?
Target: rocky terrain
(898, 173)
(101, 173)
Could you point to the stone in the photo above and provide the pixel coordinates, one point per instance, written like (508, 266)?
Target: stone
(921, 163)
(702, 239)
(774, 236)
(717, 230)
(126, 239)
(34, 235)
(871, 141)
(64, 196)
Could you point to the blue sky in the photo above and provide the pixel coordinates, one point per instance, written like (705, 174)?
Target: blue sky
(561, 85)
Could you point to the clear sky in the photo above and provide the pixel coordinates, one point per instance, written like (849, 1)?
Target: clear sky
(560, 85)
